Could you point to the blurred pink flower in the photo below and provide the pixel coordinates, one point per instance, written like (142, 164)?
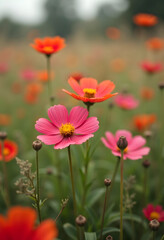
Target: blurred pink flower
(28, 75)
(150, 67)
(154, 212)
(134, 150)
(126, 101)
(66, 129)
(3, 68)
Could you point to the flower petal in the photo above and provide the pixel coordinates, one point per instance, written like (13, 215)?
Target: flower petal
(124, 133)
(67, 141)
(46, 231)
(138, 154)
(88, 83)
(79, 139)
(91, 125)
(111, 139)
(46, 127)
(58, 114)
(104, 88)
(77, 116)
(75, 86)
(50, 140)
(136, 143)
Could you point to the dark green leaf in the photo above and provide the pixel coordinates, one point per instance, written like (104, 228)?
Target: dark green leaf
(90, 236)
(70, 230)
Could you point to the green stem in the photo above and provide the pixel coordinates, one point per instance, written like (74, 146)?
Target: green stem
(121, 195)
(81, 230)
(103, 215)
(5, 175)
(38, 187)
(49, 80)
(153, 235)
(72, 182)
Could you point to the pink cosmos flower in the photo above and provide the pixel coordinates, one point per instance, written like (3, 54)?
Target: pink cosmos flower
(66, 129)
(150, 67)
(126, 101)
(28, 75)
(154, 212)
(134, 150)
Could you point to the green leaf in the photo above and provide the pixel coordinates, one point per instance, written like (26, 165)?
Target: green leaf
(90, 236)
(94, 196)
(162, 238)
(70, 230)
(107, 231)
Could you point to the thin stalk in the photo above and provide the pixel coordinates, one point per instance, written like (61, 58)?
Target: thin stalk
(72, 182)
(81, 230)
(153, 235)
(38, 187)
(103, 215)
(5, 175)
(49, 80)
(121, 195)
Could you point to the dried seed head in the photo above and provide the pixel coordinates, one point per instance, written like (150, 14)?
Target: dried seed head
(146, 163)
(37, 145)
(148, 134)
(3, 135)
(122, 143)
(154, 224)
(109, 237)
(81, 221)
(161, 85)
(107, 182)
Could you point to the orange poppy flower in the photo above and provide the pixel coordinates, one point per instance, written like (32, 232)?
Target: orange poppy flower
(5, 119)
(42, 76)
(144, 121)
(89, 90)
(20, 224)
(145, 20)
(147, 93)
(49, 45)
(155, 43)
(113, 33)
(10, 150)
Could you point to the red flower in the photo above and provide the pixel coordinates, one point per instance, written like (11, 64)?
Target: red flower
(145, 20)
(89, 90)
(150, 67)
(154, 212)
(20, 225)
(142, 122)
(49, 45)
(77, 76)
(10, 150)
(113, 33)
(155, 43)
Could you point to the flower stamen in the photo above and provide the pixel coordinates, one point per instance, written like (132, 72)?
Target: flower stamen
(48, 49)
(89, 92)
(67, 129)
(125, 150)
(6, 151)
(154, 215)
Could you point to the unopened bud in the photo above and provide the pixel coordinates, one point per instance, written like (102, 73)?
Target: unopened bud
(37, 145)
(146, 163)
(107, 182)
(81, 221)
(122, 143)
(148, 134)
(161, 85)
(109, 237)
(154, 224)
(3, 135)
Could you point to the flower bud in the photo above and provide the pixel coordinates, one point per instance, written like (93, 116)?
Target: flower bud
(161, 85)
(122, 143)
(37, 145)
(3, 135)
(109, 237)
(146, 163)
(107, 182)
(154, 224)
(148, 134)
(49, 171)
(81, 221)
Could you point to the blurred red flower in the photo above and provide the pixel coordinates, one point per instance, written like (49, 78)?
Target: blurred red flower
(155, 44)
(154, 212)
(5, 119)
(150, 67)
(144, 121)
(147, 93)
(49, 45)
(113, 33)
(145, 20)
(42, 76)
(20, 224)
(10, 150)
(77, 76)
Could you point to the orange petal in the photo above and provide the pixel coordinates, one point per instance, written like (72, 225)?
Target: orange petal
(88, 83)
(75, 86)
(105, 88)
(46, 231)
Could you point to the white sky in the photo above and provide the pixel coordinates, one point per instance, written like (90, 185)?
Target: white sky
(30, 11)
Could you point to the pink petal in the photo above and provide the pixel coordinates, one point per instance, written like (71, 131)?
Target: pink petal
(79, 139)
(117, 153)
(91, 125)
(124, 133)
(111, 139)
(75, 86)
(58, 114)
(88, 83)
(158, 208)
(136, 143)
(64, 143)
(137, 154)
(77, 116)
(50, 140)
(104, 88)
(45, 126)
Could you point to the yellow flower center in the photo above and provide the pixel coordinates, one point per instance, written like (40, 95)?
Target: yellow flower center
(89, 92)
(154, 215)
(125, 150)
(67, 129)
(6, 151)
(48, 49)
